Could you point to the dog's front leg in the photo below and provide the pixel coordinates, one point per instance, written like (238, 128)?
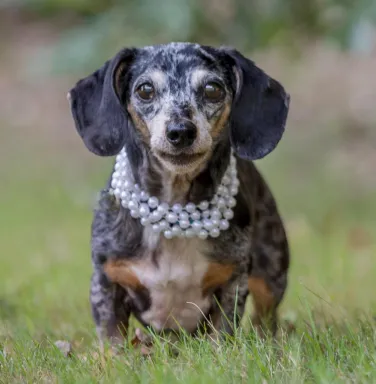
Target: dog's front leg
(110, 308)
(230, 305)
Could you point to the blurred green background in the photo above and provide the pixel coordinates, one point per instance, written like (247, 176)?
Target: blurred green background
(322, 173)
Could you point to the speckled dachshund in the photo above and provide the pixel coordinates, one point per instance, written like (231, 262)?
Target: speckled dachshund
(178, 109)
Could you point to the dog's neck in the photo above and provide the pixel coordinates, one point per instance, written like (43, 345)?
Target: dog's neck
(172, 188)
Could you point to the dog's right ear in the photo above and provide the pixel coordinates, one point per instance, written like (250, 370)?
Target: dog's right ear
(99, 116)
(259, 111)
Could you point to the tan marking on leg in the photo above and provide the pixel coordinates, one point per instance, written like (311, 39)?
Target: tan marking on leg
(119, 272)
(216, 275)
(263, 302)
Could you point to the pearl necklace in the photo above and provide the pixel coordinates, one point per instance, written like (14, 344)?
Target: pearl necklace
(202, 220)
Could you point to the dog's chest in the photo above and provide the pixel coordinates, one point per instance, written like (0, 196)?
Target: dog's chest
(173, 272)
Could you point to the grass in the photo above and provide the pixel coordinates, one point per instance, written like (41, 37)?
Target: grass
(333, 355)
(45, 272)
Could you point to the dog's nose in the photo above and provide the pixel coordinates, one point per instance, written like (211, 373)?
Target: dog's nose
(181, 135)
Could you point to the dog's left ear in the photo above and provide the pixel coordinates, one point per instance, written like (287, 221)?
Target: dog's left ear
(99, 116)
(259, 110)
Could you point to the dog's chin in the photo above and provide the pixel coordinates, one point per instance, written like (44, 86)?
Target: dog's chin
(182, 163)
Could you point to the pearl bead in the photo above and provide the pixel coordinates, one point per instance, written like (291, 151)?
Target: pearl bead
(172, 217)
(190, 207)
(156, 215)
(215, 223)
(205, 214)
(184, 224)
(144, 196)
(125, 195)
(184, 215)
(133, 205)
(196, 215)
(215, 214)
(221, 190)
(177, 208)
(163, 208)
(163, 224)
(197, 226)
(203, 234)
(145, 221)
(189, 233)
(203, 205)
(231, 202)
(228, 214)
(144, 210)
(214, 232)
(127, 184)
(208, 224)
(135, 214)
(153, 202)
(226, 180)
(221, 203)
(176, 230)
(168, 234)
(224, 224)
(135, 196)
(117, 192)
(226, 192)
(233, 191)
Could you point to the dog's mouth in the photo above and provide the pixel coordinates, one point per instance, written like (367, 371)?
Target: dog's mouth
(181, 159)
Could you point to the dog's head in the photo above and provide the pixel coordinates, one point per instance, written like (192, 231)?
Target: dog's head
(179, 100)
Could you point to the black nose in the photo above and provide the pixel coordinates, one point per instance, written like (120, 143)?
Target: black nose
(181, 135)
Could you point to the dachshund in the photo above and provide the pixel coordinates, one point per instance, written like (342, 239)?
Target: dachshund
(181, 116)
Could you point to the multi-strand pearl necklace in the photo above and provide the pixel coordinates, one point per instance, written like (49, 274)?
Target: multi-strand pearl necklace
(202, 220)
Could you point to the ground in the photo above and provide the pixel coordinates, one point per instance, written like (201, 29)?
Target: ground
(323, 180)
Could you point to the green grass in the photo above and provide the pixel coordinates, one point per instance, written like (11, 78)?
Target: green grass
(330, 355)
(45, 271)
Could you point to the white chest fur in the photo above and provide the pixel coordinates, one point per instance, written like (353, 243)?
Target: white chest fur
(174, 282)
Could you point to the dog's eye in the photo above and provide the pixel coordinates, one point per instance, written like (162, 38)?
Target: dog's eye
(145, 91)
(213, 91)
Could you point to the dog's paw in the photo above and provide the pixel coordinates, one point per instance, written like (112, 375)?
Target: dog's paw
(143, 342)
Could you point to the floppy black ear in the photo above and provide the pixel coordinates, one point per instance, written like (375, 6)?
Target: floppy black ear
(259, 110)
(98, 114)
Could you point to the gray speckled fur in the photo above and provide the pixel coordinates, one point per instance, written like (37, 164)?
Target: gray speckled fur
(255, 243)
